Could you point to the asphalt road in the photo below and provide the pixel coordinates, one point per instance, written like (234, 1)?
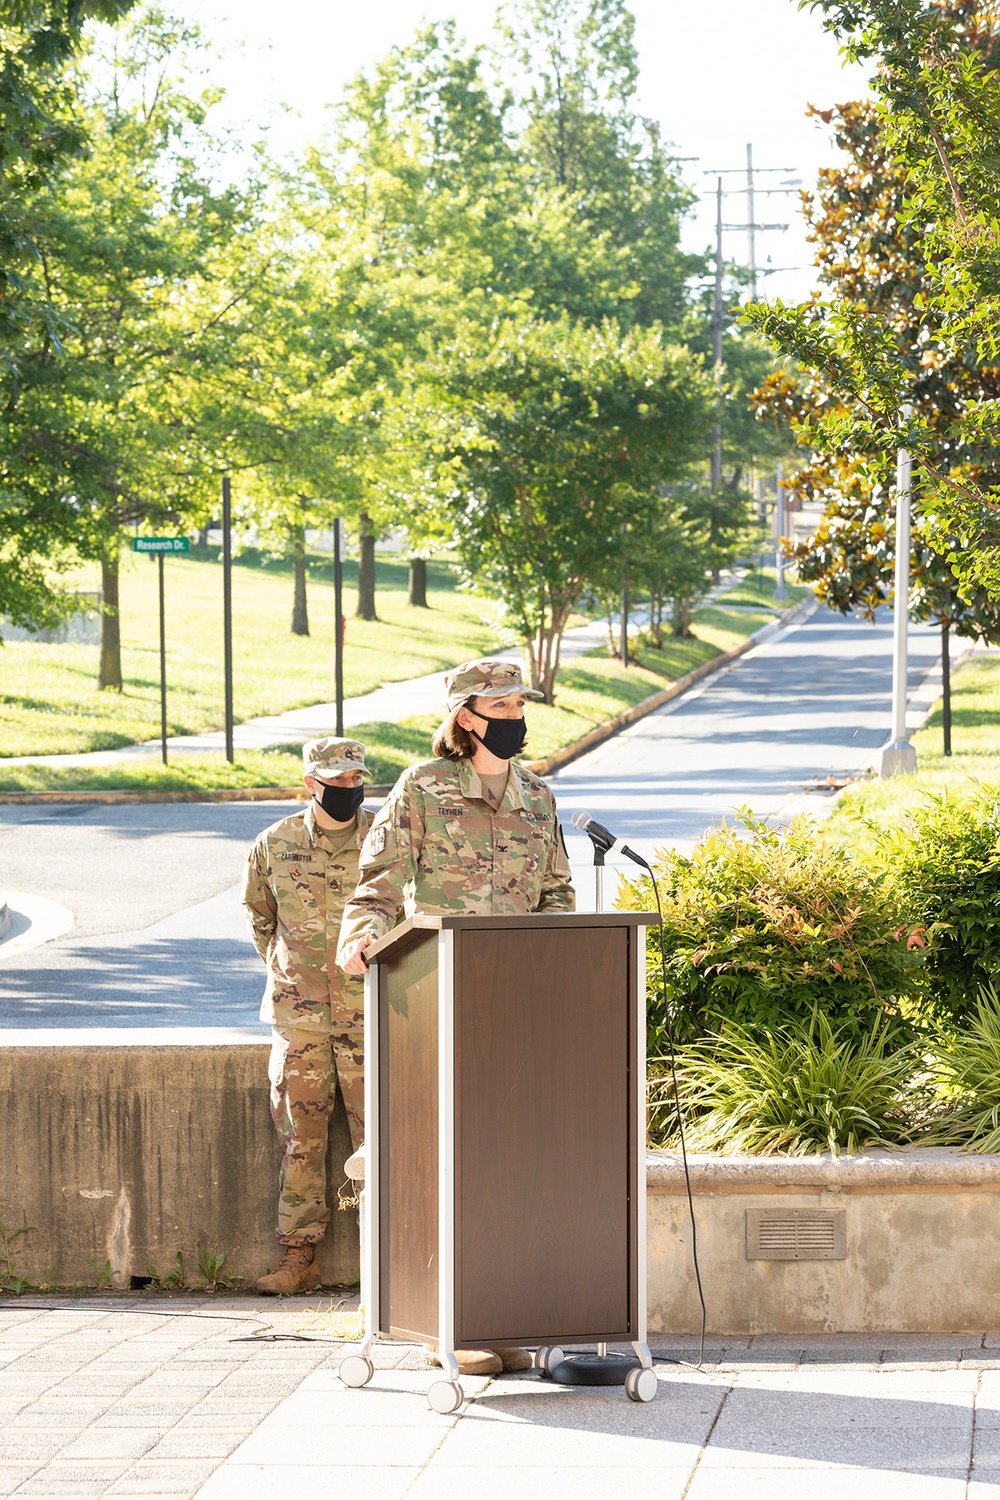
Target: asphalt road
(159, 937)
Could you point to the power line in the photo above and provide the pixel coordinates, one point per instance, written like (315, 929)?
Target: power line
(751, 227)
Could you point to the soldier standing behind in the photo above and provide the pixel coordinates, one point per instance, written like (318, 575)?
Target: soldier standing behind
(468, 832)
(299, 874)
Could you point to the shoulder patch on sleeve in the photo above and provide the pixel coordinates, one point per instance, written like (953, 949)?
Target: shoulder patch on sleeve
(376, 841)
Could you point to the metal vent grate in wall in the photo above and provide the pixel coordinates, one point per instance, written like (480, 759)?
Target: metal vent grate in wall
(796, 1234)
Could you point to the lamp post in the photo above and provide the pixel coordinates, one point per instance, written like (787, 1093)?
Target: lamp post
(898, 756)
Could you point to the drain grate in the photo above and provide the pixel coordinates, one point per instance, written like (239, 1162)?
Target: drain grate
(796, 1234)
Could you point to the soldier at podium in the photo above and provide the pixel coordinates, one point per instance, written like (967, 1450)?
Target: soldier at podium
(469, 831)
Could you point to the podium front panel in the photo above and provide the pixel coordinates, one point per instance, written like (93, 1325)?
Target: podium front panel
(544, 1045)
(510, 1073)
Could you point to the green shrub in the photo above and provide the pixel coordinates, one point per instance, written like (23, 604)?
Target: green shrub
(968, 1072)
(807, 1086)
(944, 861)
(762, 925)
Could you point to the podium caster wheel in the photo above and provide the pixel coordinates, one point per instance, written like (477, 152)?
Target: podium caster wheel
(640, 1385)
(547, 1357)
(355, 1371)
(445, 1396)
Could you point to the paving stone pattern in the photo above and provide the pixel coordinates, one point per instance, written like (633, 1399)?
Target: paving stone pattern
(238, 1399)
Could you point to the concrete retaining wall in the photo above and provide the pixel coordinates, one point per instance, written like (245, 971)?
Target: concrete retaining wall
(132, 1151)
(921, 1243)
(128, 1150)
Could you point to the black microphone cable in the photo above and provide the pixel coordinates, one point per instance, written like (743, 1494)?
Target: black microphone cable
(603, 839)
(680, 1120)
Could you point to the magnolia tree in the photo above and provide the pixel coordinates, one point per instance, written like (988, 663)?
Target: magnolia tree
(904, 353)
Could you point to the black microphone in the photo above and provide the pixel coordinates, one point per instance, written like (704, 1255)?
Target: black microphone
(604, 839)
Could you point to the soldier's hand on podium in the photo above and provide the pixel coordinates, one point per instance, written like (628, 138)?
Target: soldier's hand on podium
(351, 957)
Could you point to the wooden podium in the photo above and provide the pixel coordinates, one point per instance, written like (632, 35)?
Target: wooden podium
(505, 1082)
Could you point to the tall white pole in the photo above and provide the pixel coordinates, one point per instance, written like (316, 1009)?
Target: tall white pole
(780, 592)
(899, 756)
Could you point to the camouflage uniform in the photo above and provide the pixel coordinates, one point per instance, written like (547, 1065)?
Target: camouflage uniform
(439, 846)
(298, 878)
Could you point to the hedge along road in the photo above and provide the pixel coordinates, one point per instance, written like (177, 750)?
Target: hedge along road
(159, 937)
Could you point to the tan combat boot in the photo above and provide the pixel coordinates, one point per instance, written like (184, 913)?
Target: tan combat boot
(297, 1272)
(471, 1361)
(514, 1358)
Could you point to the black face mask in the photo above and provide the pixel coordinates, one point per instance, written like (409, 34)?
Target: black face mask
(341, 802)
(503, 737)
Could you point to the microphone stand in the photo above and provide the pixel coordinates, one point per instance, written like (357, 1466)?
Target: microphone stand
(600, 1368)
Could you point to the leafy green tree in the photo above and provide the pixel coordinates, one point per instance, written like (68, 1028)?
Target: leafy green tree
(573, 70)
(103, 431)
(41, 128)
(563, 433)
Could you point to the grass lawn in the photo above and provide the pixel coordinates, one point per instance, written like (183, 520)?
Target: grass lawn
(758, 586)
(590, 689)
(49, 704)
(975, 739)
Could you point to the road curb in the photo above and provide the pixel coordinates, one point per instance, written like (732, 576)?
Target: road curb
(610, 727)
(210, 794)
(545, 767)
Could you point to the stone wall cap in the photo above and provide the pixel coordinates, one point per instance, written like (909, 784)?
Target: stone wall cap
(128, 1038)
(910, 1166)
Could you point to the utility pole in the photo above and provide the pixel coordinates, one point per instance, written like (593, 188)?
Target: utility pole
(717, 338)
(751, 227)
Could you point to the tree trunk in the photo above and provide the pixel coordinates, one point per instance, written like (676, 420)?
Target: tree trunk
(109, 670)
(655, 619)
(623, 642)
(366, 569)
(680, 625)
(300, 610)
(544, 647)
(418, 583)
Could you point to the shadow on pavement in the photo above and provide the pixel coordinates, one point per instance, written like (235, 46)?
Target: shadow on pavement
(760, 1426)
(166, 982)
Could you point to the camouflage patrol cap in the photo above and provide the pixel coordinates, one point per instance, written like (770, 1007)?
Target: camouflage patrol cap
(485, 679)
(330, 757)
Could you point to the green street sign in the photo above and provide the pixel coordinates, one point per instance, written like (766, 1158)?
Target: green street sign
(161, 544)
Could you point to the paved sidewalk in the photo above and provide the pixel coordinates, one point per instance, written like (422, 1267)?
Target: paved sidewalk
(387, 704)
(237, 1399)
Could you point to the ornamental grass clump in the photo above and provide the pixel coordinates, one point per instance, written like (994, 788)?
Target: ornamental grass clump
(763, 926)
(967, 1065)
(803, 1087)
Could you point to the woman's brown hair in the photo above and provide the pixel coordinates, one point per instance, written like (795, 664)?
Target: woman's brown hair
(451, 741)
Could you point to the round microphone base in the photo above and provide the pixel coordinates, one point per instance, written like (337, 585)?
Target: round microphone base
(594, 1369)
